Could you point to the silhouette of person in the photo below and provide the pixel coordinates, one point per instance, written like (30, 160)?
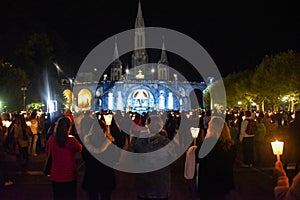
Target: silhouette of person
(153, 185)
(98, 179)
(215, 173)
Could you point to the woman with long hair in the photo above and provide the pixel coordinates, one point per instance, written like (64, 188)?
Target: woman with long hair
(63, 147)
(215, 174)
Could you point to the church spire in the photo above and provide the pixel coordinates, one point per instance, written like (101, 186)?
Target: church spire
(116, 52)
(163, 56)
(116, 67)
(163, 64)
(139, 57)
(139, 22)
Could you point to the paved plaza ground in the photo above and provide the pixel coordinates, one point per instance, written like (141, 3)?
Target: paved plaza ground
(251, 183)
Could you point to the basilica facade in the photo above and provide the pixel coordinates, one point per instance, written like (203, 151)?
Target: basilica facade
(140, 88)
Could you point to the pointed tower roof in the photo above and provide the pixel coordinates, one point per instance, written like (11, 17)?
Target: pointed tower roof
(116, 60)
(116, 51)
(139, 21)
(163, 56)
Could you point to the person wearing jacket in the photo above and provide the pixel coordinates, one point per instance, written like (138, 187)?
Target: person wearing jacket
(156, 184)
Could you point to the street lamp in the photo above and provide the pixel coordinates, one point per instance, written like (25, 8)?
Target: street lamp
(24, 89)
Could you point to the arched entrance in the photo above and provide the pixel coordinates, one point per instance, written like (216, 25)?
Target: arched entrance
(140, 100)
(68, 97)
(84, 99)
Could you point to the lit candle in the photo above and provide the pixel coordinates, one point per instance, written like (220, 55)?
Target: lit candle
(28, 123)
(6, 123)
(277, 148)
(195, 132)
(108, 119)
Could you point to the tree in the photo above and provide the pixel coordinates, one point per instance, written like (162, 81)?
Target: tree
(215, 94)
(233, 92)
(277, 77)
(11, 82)
(206, 98)
(35, 55)
(239, 89)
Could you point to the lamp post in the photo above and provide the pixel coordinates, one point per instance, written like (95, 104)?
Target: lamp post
(24, 89)
(195, 132)
(277, 148)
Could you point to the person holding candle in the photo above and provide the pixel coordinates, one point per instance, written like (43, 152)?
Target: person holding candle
(283, 191)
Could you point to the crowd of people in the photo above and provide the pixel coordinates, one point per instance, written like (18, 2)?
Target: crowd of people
(65, 136)
(22, 135)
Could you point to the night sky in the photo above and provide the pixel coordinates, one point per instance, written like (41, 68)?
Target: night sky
(236, 36)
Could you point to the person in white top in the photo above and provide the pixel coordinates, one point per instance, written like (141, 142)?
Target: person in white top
(34, 126)
(247, 141)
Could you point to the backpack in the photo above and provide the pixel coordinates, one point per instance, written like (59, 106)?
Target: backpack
(251, 127)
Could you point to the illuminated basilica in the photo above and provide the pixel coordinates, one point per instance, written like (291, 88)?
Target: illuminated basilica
(143, 87)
